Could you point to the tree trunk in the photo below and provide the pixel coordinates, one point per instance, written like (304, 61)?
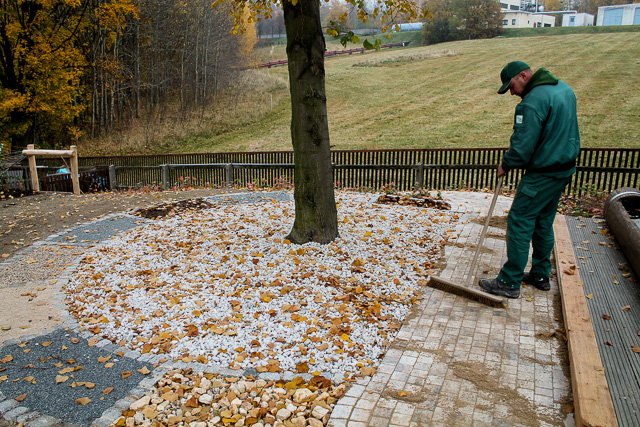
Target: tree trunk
(316, 214)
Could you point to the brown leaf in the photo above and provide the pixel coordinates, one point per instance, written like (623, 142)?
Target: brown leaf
(144, 370)
(626, 308)
(605, 317)
(126, 374)
(83, 400)
(609, 343)
(320, 381)
(47, 343)
(107, 390)
(61, 378)
(192, 402)
(20, 398)
(8, 358)
(635, 348)
(302, 368)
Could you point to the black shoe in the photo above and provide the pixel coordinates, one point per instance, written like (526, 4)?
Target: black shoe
(496, 287)
(541, 283)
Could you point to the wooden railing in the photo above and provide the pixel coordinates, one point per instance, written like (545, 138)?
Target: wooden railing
(437, 169)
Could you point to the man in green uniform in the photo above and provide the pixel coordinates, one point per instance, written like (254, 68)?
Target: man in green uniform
(546, 143)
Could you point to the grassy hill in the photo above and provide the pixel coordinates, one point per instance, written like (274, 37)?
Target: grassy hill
(443, 95)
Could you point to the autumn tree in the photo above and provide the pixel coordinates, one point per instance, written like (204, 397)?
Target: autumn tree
(462, 19)
(40, 68)
(316, 214)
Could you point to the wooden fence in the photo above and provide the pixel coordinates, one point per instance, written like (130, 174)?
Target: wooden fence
(437, 169)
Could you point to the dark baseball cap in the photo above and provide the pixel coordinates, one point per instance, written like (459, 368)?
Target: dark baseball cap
(511, 70)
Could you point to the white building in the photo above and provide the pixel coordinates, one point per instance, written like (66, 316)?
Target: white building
(577, 20)
(522, 14)
(621, 14)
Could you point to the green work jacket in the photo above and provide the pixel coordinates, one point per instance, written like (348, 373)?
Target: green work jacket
(545, 135)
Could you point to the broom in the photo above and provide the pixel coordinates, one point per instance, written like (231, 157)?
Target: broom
(467, 291)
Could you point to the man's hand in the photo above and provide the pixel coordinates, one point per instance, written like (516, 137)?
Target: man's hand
(501, 171)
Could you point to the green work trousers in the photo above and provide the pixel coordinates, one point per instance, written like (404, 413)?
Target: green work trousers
(530, 223)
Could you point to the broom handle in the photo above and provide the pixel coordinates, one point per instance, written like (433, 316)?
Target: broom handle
(484, 231)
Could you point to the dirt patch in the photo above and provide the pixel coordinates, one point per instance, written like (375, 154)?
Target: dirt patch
(495, 221)
(520, 409)
(172, 209)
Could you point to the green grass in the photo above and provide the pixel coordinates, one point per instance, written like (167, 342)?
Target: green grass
(561, 31)
(444, 96)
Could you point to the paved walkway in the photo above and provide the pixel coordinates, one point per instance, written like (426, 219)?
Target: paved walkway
(457, 362)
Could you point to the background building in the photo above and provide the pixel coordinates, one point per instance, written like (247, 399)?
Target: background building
(578, 20)
(522, 14)
(621, 14)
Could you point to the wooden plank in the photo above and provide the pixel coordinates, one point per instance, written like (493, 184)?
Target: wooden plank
(591, 396)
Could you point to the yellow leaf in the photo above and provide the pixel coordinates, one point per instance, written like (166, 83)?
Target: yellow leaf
(144, 370)
(626, 308)
(126, 374)
(109, 390)
(590, 296)
(402, 393)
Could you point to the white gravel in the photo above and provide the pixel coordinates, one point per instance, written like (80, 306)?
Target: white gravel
(224, 286)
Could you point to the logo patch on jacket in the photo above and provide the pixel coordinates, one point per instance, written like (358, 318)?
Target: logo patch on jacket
(519, 118)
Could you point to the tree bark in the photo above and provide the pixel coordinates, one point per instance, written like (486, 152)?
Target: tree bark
(316, 214)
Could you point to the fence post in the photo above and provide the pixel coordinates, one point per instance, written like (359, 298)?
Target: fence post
(112, 177)
(420, 182)
(33, 171)
(166, 177)
(75, 180)
(228, 174)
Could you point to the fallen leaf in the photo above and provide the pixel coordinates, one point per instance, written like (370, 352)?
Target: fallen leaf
(47, 343)
(605, 317)
(590, 296)
(402, 393)
(609, 343)
(144, 370)
(21, 397)
(108, 365)
(126, 374)
(61, 378)
(102, 359)
(107, 390)
(626, 308)
(83, 400)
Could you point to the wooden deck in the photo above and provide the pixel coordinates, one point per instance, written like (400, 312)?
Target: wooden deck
(601, 307)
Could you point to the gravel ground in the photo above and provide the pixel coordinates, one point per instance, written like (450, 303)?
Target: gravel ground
(54, 370)
(223, 285)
